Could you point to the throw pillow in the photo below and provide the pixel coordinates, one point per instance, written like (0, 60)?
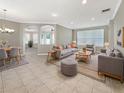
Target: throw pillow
(112, 54)
(64, 47)
(73, 45)
(69, 46)
(118, 53)
(59, 47)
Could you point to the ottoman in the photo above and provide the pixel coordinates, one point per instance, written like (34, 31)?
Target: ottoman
(69, 67)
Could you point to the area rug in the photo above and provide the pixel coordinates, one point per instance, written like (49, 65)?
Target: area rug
(13, 64)
(89, 69)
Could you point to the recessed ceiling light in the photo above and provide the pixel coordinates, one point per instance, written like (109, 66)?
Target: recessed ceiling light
(84, 2)
(54, 14)
(92, 18)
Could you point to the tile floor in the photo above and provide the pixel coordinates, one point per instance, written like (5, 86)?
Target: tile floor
(40, 77)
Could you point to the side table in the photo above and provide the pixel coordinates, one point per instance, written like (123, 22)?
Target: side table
(51, 55)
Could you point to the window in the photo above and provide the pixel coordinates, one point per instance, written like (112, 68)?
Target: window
(27, 37)
(47, 38)
(95, 37)
(35, 38)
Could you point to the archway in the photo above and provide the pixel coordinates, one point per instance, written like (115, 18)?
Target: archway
(47, 38)
(31, 38)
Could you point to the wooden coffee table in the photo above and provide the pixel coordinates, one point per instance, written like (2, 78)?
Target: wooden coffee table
(83, 56)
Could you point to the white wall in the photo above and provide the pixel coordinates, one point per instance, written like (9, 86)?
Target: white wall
(63, 35)
(111, 34)
(13, 39)
(118, 24)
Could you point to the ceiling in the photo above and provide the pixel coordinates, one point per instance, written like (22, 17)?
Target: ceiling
(69, 13)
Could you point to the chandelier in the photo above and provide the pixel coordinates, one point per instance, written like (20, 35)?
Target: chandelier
(3, 28)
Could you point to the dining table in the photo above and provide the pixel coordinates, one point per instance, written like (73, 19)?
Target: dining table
(7, 49)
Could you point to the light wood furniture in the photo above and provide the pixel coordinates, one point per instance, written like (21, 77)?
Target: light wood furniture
(10, 57)
(51, 55)
(9, 49)
(83, 56)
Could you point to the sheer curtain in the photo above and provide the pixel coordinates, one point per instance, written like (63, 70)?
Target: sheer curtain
(95, 37)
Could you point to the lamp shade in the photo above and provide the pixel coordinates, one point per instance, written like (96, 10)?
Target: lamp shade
(73, 41)
(106, 44)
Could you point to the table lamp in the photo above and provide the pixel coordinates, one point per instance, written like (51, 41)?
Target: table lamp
(106, 45)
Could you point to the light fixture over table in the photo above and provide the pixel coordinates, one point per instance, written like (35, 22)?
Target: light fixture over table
(3, 28)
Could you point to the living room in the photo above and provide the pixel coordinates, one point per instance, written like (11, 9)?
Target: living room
(62, 46)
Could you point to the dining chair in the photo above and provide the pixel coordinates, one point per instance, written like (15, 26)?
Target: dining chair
(1, 46)
(20, 53)
(3, 56)
(14, 54)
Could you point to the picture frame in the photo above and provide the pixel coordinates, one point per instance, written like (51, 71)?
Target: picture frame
(120, 37)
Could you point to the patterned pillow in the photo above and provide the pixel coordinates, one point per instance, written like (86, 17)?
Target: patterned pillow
(118, 53)
(112, 54)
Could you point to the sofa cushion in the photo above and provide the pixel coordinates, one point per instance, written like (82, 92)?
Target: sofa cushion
(64, 46)
(74, 49)
(65, 51)
(118, 53)
(114, 53)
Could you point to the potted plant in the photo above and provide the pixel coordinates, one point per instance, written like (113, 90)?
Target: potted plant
(30, 44)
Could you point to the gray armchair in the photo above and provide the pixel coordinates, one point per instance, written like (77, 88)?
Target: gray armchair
(111, 66)
(90, 48)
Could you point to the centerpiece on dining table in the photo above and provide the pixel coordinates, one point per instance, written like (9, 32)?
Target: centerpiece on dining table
(4, 43)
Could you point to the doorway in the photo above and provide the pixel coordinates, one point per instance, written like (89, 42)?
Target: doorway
(31, 39)
(47, 38)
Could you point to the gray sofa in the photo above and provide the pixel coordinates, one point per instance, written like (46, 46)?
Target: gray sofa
(65, 52)
(111, 66)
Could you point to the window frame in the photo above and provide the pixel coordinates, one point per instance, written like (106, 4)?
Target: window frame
(101, 29)
(51, 37)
